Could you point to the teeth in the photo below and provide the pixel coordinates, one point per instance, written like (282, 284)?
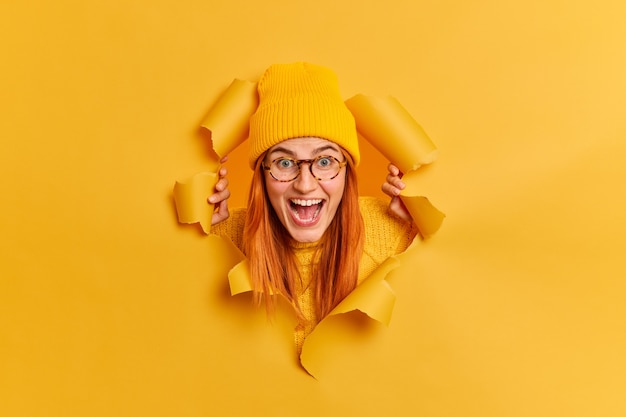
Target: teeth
(306, 203)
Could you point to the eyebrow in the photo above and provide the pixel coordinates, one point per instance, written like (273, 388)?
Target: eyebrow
(316, 151)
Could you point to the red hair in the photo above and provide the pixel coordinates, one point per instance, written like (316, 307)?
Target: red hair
(273, 264)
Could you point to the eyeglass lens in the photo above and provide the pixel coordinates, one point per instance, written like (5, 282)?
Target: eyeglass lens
(322, 168)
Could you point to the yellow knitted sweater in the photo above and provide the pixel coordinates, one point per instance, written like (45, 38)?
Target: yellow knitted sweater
(385, 236)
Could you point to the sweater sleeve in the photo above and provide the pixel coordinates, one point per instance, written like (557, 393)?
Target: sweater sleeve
(232, 227)
(385, 234)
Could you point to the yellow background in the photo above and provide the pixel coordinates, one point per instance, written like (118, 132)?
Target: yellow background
(109, 307)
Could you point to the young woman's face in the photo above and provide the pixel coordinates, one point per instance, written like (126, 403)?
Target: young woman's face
(305, 206)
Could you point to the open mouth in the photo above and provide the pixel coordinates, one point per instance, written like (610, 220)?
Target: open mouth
(305, 211)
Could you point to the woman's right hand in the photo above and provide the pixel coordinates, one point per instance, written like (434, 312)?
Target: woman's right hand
(221, 195)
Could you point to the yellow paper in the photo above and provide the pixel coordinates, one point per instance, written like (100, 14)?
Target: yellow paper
(108, 308)
(374, 298)
(191, 199)
(239, 278)
(229, 255)
(426, 216)
(386, 124)
(228, 122)
(228, 119)
(391, 129)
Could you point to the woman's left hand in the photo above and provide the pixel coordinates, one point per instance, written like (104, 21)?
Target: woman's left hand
(392, 187)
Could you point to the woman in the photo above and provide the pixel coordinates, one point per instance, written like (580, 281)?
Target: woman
(306, 233)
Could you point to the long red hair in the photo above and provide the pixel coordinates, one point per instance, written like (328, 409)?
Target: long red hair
(273, 264)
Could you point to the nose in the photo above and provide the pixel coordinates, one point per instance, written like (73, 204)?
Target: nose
(306, 181)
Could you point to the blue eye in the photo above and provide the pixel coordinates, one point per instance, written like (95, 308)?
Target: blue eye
(325, 162)
(284, 163)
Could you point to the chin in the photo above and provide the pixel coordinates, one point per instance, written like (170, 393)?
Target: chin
(306, 236)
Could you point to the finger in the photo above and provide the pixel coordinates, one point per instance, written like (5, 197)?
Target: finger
(220, 213)
(396, 182)
(220, 196)
(394, 170)
(390, 190)
(222, 209)
(222, 184)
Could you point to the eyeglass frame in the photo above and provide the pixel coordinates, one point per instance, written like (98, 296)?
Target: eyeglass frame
(299, 163)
